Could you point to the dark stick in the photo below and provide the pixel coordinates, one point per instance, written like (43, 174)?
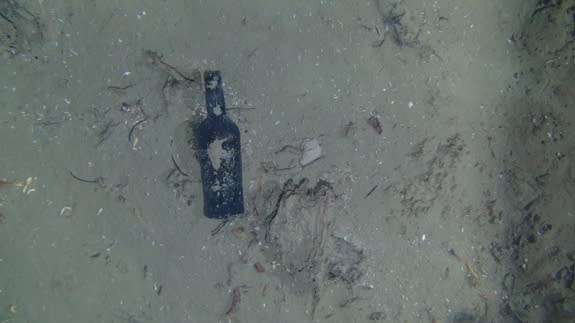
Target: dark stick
(134, 127)
(370, 191)
(119, 88)
(178, 167)
(82, 179)
(220, 226)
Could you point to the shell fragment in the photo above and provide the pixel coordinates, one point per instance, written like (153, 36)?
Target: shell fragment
(311, 151)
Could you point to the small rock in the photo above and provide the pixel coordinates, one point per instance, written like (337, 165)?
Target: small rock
(374, 122)
(462, 317)
(376, 316)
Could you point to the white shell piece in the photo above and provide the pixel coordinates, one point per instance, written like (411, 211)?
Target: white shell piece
(311, 151)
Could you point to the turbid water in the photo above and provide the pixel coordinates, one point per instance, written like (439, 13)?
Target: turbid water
(443, 191)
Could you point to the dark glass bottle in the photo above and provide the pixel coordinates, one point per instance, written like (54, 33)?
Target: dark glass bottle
(219, 154)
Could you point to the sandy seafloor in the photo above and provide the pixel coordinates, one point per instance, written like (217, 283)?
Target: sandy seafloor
(472, 215)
